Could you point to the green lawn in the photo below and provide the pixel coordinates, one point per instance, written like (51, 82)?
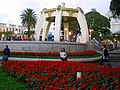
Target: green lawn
(9, 83)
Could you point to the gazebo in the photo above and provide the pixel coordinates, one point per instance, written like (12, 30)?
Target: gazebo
(61, 15)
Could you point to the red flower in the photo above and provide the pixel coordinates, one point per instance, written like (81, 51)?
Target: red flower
(55, 75)
(83, 86)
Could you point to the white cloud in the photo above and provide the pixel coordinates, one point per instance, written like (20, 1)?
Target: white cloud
(13, 8)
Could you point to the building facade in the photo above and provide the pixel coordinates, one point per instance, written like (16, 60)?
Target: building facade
(16, 31)
(11, 27)
(115, 22)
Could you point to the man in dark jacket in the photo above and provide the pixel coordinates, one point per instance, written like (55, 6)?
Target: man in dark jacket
(105, 56)
(6, 53)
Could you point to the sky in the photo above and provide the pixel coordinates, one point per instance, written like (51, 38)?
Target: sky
(10, 10)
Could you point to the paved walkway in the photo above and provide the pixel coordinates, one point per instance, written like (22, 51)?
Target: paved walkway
(37, 59)
(113, 64)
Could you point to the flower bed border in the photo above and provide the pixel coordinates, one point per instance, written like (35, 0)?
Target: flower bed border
(88, 52)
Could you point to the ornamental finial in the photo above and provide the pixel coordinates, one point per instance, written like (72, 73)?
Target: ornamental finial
(63, 4)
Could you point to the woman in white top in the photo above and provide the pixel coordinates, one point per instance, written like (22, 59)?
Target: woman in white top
(63, 55)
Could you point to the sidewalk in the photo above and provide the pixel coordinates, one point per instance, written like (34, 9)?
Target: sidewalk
(113, 64)
(37, 59)
(85, 60)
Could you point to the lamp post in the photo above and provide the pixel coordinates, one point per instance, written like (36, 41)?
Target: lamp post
(90, 30)
(3, 35)
(15, 33)
(69, 33)
(74, 38)
(65, 34)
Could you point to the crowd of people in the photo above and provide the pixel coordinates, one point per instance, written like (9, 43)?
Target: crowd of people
(20, 38)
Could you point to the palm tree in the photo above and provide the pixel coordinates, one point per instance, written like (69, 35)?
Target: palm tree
(29, 19)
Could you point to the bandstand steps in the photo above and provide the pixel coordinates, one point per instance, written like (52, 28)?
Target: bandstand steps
(114, 56)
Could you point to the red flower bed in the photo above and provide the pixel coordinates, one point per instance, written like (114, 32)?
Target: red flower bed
(57, 75)
(89, 52)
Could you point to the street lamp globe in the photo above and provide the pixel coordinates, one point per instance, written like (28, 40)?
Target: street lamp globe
(90, 30)
(70, 33)
(15, 31)
(3, 35)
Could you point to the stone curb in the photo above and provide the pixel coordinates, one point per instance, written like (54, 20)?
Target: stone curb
(39, 59)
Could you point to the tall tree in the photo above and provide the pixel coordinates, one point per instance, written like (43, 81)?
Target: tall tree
(29, 18)
(115, 7)
(99, 23)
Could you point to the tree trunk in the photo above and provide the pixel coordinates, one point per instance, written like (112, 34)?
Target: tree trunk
(28, 33)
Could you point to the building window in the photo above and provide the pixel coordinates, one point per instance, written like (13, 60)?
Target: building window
(13, 29)
(19, 30)
(7, 30)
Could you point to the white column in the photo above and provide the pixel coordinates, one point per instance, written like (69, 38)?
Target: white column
(66, 31)
(39, 25)
(58, 20)
(84, 28)
(46, 27)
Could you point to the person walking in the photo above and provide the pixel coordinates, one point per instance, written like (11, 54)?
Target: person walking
(105, 56)
(63, 55)
(115, 45)
(6, 53)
